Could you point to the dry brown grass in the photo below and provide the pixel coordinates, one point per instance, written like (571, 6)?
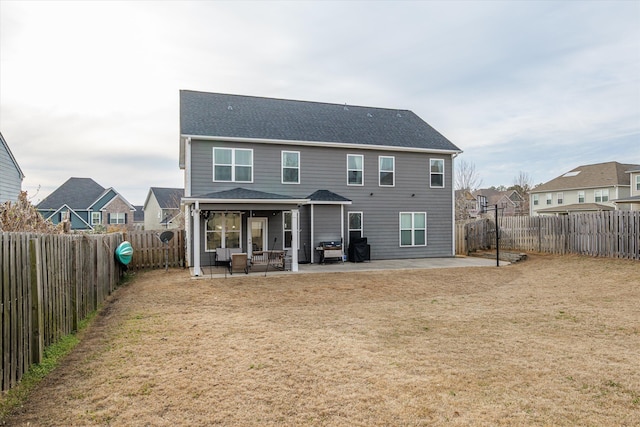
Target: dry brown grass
(551, 341)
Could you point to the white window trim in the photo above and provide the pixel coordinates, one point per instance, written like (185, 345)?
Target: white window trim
(536, 200)
(349, 229)
(437, 173)
(393, 171)
(284, 230)
(117, 217)
(222, 231)
(601, 194)
(637, 182)
(99, 218)
(233, 163)
(584, 197)
(549, 198)
(282, 167)
(413, 229)
(560, 198)
(362, 170)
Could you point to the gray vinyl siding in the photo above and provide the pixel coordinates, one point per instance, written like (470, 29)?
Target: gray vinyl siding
(10, 179)
(326, 168)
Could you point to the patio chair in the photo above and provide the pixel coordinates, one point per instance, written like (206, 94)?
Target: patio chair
(239, 263)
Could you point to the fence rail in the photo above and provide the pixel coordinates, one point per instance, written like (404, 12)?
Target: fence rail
(613, 234)
(149, 252)
(49, 283)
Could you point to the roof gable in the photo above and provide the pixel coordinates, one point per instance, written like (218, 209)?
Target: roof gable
(235, 116)
(610, 174)
(10, 154)
(167, 198)
(77, 193)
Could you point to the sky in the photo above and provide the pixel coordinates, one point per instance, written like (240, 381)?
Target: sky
(91, 89)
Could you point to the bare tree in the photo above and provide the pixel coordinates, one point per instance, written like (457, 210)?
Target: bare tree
(466, 176)
(466, 181)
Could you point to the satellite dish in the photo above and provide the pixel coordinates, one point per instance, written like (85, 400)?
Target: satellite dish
(166, 236)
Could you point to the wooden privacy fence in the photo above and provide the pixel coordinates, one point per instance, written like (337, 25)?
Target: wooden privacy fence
(613, 234)
(149, 251)
(49, 283)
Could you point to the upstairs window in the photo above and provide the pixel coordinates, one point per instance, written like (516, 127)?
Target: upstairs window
(560, 198)
(549, 198)
(437, 173)
(602, 195)
(535, 199)
(413, 229)
(232, 165)
(637, 182)
(291, 167)
(580, 196)
(355, 169)
(387, 168)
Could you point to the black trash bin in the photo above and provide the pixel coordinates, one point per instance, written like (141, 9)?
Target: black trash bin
(359, 250)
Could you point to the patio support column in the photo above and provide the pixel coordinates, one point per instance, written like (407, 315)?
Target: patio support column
(295, 244)
(342, 241)
(312, 244)
(196, 240)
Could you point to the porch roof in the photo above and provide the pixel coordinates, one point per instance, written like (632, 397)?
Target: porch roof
(245, 196)
(577, 207)
(328, 198)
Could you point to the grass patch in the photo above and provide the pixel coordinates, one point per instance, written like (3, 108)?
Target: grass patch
(53, 354)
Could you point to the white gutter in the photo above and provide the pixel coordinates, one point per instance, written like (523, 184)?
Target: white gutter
(453, 210)
(320, 144)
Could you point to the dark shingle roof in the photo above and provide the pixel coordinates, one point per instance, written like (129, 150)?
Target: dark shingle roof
(590, 176)
(138, 214)
(77, 193)
(243, 193)
(168, 198)
(222, 115)
(327, 196)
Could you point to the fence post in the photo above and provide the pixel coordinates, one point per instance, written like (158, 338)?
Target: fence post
(37, 343)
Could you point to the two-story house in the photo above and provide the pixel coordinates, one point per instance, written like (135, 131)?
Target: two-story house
(633, 201)
(587, 188)
(263, 173)
(86, 205)
(11, 175)
(162, 208)
(510, 202)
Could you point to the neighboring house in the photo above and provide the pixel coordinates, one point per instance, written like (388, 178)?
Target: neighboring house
(138, 218)
(466, 205)
(633, 201)
(11, 175)
(162, 208)
(509, 202)
(263, 173)
(87, 205)
(587, 188)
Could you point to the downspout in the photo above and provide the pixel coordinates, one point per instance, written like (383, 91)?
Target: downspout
(342, 241)
(187, 167)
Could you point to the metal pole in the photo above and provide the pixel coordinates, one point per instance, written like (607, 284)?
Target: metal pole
(497, 239)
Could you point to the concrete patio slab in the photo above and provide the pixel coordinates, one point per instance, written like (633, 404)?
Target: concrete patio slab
(350, 267)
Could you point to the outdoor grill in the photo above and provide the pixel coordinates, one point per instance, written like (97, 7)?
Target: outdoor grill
(330, 250)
